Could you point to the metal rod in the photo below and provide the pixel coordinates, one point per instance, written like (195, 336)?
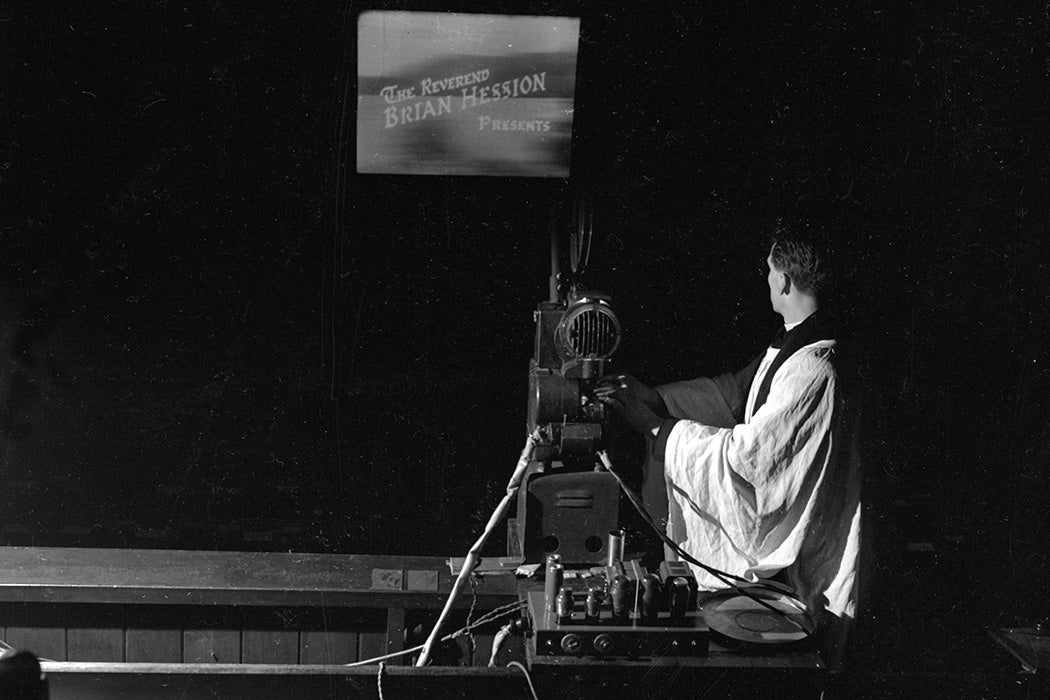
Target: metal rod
(474, 555)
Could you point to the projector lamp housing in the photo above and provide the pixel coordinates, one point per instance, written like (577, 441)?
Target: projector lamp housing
(574, 340)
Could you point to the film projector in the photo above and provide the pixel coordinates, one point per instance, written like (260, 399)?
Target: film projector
(595, 603)
(568, 513)
(565, 506)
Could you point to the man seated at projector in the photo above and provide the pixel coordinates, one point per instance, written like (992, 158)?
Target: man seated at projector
(757, 471)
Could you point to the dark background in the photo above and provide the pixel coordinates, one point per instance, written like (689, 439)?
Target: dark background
(217, 336)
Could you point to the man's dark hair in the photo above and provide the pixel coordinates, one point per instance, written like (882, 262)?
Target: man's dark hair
(798, 252)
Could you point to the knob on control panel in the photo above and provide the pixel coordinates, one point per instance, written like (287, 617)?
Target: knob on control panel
(604, 644)
(571, 643)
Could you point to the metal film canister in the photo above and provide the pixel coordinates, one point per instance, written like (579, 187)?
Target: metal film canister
(615, 547)
(555, 575)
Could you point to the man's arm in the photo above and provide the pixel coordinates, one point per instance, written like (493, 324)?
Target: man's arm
(717, 401)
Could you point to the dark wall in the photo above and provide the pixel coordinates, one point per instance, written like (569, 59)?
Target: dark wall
(218, 336)
(163, 255)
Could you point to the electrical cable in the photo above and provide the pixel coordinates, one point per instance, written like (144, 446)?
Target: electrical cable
(494, 614)
(471, 641)
(474, 555)
(497, 642)
(528, 678)
(488, 617)
(722, 576)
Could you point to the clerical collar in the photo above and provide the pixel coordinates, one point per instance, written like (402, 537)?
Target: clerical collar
(801, 329)
(817, 326)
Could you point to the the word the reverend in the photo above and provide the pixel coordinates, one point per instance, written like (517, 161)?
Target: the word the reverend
(401, 109)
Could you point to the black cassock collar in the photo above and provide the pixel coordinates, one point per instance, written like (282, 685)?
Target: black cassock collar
(817, 326)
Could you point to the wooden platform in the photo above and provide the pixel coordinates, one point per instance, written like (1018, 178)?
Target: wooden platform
(95, 681)
(86, 681)
(121, 605)
(176, 624)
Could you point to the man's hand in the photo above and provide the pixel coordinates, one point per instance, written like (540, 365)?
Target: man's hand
(617, 382)
(630, 407)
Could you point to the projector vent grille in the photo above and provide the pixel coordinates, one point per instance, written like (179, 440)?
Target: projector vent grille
(591, 332)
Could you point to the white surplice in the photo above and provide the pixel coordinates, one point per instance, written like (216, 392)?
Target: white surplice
(780, 491)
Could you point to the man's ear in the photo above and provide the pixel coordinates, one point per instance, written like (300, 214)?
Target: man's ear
(785, 283)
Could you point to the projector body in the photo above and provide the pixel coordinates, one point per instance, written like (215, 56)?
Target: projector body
(565, 506)
(574, 340)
